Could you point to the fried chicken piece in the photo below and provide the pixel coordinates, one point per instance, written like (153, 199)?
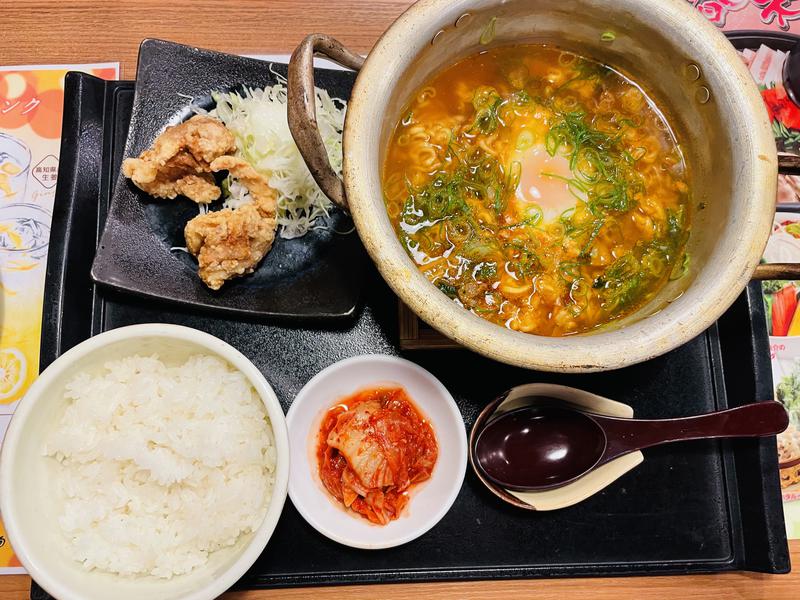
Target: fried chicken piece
(179, 163)
(231, 242)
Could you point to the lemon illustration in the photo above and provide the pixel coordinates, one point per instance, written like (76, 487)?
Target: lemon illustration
(13, 368)
(7, 558)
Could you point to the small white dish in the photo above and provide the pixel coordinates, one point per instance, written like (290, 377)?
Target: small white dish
(28, 512)
(430, 500)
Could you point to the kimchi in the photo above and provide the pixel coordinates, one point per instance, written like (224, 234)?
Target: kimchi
(373, 447)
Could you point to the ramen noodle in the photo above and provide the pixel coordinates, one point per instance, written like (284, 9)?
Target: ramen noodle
(538, 189)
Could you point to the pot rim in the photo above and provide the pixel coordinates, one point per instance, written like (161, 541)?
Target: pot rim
(592, 351)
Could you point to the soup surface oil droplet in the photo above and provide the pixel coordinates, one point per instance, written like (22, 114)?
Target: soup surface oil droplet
(463, 19)
(692, 72)
(703, 94)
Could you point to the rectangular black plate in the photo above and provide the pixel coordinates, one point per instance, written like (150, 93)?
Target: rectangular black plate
(316, 276)
(705, 506)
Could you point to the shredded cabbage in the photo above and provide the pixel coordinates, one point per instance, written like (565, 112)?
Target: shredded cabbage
(257, 119)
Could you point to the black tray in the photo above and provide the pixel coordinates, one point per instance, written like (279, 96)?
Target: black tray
(703, 506)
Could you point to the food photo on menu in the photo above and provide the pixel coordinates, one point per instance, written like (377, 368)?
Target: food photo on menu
(450, 303)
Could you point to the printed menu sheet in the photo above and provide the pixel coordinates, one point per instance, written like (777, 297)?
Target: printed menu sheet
(31, 107)
(765, 60)
(780, 297)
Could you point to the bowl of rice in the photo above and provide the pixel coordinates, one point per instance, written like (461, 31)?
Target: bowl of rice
(150, 461)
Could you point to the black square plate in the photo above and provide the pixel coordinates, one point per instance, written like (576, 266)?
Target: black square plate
(316, 276)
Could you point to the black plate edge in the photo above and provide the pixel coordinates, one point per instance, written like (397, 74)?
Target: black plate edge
(276, 318)
(792, 208)
(747, 38)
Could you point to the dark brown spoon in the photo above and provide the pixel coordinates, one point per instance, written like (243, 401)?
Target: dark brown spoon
(550, 444)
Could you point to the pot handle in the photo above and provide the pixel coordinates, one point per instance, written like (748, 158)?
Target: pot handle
(302, 111)
(788, 164)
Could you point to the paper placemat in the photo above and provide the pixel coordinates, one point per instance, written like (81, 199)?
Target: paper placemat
(31, 104)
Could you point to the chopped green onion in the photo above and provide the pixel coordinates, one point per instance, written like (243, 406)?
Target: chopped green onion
(524, 140)
(681, 267)
(488, 32)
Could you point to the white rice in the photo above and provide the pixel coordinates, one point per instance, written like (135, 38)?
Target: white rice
(160, 466)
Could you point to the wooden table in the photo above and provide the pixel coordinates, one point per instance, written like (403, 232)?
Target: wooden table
(74, 31)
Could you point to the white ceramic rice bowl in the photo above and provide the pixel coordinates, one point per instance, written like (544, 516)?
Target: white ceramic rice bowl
(30, 517)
